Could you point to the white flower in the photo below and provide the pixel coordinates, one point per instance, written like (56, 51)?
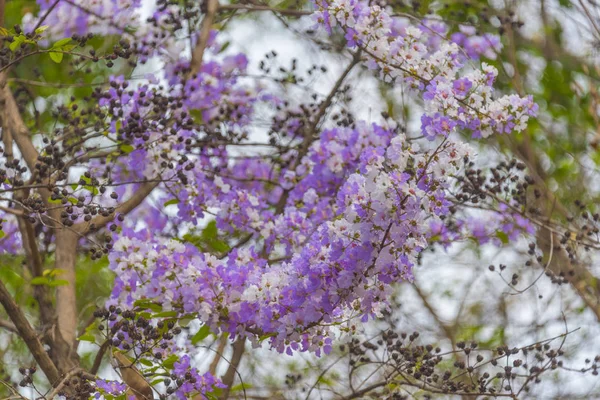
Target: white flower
(225, 188)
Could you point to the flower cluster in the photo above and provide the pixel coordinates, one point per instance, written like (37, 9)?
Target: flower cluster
(316, 232)
(10, 240)
(80, 17)
(495, 228)
(186, 379)
(454, 99)
(337, 262)
(486, 45)
(328, 231)
(113, 388)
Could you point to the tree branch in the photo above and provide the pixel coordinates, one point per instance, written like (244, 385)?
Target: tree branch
(28, 334)
(9, 326)
(14, 123)
(61, 384)
(124, 208)
(198, 52)
(238, 351)
(212, 369)
(287, 12)
(309, 133)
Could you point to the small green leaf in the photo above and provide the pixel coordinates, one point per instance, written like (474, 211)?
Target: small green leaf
(60, 43)
(126, 148)
(196, 116)
(52, 272)
(210, 232)
(264, 337)
(145, 362)
(170, 202)
(17, 41)
(224, 46)
(502, 236)
(42, 28)
(201, 334)
(88, 337)
(165, 314)
(240, 387)
(56, 57)
(144, 314)
(170, 361)
(40, 280)
(148, 304)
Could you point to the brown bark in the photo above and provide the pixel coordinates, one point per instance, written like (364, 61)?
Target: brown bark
(61, 350)
(28, 334)
(66, 301)
(198, 51)
(133, 378)
(238, 351)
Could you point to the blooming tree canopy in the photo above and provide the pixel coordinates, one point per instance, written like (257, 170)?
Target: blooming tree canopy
(225, 205)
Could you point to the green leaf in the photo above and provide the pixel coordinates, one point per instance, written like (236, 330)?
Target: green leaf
(56, 201)
(201, 334)
(44, 280)
(40, 280)
(170, 202)
(240, 387)
(53, 272)
(219, 246)
(170, 361)
(42, 28)
(196, 116)
(502, 236)
(17, 41)
(424, 6)
(148, 304)
(58, 282)
(224, 46)
(56, 57)
(87, 337)
(210, 232)
(60, 43)
(144, 314)
(2, 234)
(145, 362)
(264, 337)
(165, 314)
(126, 148)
